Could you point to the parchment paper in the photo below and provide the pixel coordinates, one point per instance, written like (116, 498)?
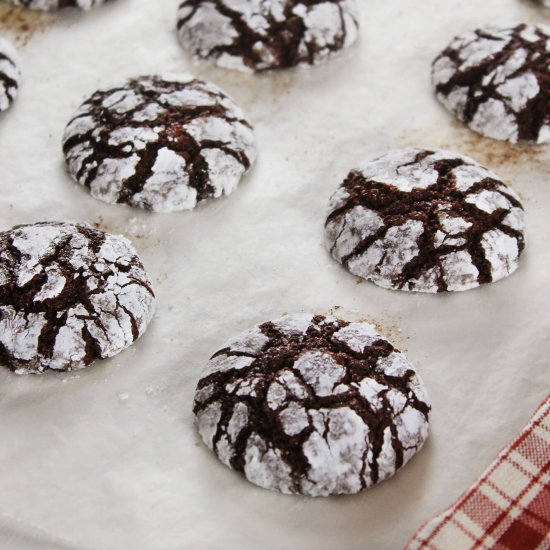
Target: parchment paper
(108, 457)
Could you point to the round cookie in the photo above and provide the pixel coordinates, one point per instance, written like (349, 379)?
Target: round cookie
(10, 74)
(159, 143)
(69, 295)
(52, 5)
(497, 81)
(425, 221)
(259, 35)
(312, 405)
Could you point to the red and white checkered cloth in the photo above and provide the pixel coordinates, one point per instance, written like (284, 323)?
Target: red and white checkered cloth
(508, 508)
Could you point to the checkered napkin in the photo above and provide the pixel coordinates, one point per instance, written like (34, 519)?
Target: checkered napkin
(508, 508)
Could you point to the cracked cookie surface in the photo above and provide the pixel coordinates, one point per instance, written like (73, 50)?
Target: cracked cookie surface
(159, 143)
(312, 405)
(260, 35)
(10, 74)
(52, 5)
(425, 221)
(69, 295)
(497, 81)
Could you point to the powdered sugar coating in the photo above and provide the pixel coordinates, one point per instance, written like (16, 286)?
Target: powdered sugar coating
(260, 35)
(159, 143)
(52, 5)
(425, 221)
(327, 410)
(10, 75)
(497, 81)
(69, 294)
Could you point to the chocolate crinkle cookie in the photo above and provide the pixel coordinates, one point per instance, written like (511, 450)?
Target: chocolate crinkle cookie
(497, 81)
(159, 143)
(10, 74)
(425, 221)
(312, 405)
(52, 5)
(69, 295)
(259, 35)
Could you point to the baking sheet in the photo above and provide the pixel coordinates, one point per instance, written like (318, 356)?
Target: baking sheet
(108, 457)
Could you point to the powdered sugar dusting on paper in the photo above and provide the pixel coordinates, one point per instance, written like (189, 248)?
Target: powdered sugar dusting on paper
(311, 423)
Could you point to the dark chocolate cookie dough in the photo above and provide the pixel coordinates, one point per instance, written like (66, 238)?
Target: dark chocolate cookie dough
(425, 221)
(52, 5)
(312, 405)
(159, 143)
(266, 34)
(10, 75)
(497, 81)
(69, 295)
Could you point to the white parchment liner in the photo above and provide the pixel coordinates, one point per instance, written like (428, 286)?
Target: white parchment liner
(109, 457)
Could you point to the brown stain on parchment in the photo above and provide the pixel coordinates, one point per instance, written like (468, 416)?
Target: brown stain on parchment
(134, 230)
(261, 95)
(489, 152)
(21, 24)
(264, 93)
(537, 12)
